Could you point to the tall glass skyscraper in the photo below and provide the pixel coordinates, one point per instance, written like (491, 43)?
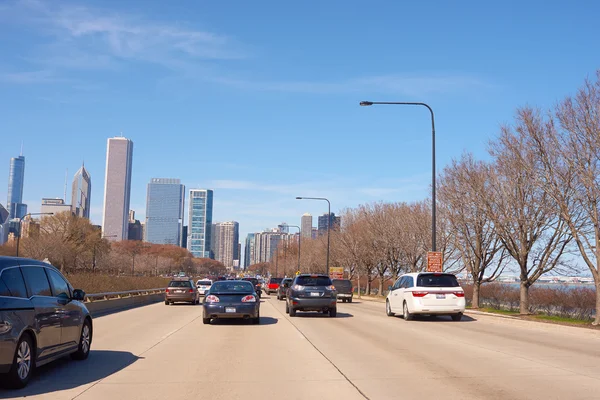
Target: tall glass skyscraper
(16, 178)
(117, 188)
(164, 211)
(199, 222)
(81, 193)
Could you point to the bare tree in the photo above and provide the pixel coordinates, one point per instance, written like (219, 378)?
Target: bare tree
(463, 185)
(526, 217)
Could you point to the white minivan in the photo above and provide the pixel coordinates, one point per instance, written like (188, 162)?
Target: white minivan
(429, 293)
(203, 286)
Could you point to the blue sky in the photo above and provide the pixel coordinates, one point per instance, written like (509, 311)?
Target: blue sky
(259, 100)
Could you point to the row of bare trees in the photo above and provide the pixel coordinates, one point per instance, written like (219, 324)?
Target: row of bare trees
(533, 207)
(74, 245)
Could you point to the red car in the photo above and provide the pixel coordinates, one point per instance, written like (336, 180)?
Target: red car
(273, 285)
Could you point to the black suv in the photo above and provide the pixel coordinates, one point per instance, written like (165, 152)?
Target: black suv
(283, 287)
(42, 318)
(343, 288)
(311, 293)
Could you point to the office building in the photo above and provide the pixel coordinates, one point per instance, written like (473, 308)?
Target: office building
(249, 250)
(16, 179)
(199, 222)
(306, 225)
(4, 225)
(314, 233)
(226, 237)
(164, 211)
(265, 245)
(117, 188)
(324, 221)
(81, 193)
(184, 237)
(214, 241)
(283, 227)
(55, 206)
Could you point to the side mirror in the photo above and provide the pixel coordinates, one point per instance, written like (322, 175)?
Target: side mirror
(78, 294)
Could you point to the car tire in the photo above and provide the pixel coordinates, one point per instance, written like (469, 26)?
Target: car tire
(206, 321)
(406, 314)
(325, 312)
(388, 309)
(333, 312)
(22, 367)
(85, 341)
(292, 312)
(350, 300)
(457, 317)
(166, 303)
(256, 321)
(287, 308)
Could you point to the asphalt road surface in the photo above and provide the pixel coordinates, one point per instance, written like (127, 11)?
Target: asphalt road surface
(165, 352)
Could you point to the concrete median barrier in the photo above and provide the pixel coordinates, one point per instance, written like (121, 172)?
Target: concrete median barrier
(110, 303)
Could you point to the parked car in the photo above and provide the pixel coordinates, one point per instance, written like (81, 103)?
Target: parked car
(231, 299)
(283, 287)
(273, 285)
(42, 318)
(256, 284)
(203, 285)
(344, 290)
(181, 290)
(311, 293)
(426, 293)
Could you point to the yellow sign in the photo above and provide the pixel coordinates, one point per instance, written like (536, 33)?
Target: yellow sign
(297, 272)
(336, 272)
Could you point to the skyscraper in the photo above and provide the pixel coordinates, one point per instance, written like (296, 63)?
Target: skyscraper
(164, 211)
(199, 222)
(324, 221)
(306, 225)
(227, 235)
(55, 206)
(81, 193)
(16, 179)
(214, 241)
(249, 251)
(117, 188)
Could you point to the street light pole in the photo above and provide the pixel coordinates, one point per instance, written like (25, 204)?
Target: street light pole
(328, 222)
(433, 201)
(21, 220)
(299, 240)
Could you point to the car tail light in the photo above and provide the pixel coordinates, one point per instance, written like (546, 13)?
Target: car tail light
(331, 287)
(459, 294)
(166, 290)
(419, 294)
(298, 288)
(191, 290)
(249, 299)
(212, 299)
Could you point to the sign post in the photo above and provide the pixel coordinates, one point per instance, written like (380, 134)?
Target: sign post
(434, 261)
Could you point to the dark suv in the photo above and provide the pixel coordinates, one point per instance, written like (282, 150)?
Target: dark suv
(311, 293)
(343, 287)
(42, 318)
(256, 284)
(283, 287)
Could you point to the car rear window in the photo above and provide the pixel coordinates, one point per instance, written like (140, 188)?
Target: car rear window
(275, 280)
(313, 281)
(287, 280)
(232, 287)
(179, 284)
(342, 284)
(204, 283)
(437, 280)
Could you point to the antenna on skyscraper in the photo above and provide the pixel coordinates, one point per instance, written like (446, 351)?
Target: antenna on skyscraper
(66, 177)
(21, 148)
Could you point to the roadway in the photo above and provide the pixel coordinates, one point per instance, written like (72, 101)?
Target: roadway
(165, 352)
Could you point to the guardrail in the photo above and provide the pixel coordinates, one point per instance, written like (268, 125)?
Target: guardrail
(109, 302)
(118, 295)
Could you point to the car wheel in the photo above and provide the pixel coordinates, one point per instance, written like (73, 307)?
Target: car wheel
(166, 303)
(22, 366)
(325, 312)
(332, 312)
(457, 317)
(406, 314)
(85, 342)
(388, 309)
(256, 321)
(287, 308)
(206, 321)
(292, 312)
(350, 300)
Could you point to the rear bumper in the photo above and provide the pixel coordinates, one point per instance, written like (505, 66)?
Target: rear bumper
(241, 310)
(458, 307)
(180, 297)
(308, 304)
(344, 295)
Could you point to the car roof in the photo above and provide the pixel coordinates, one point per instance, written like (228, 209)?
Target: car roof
(312, 276)
(415, 274)
(6, 262)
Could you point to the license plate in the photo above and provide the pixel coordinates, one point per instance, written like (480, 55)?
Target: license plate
(315, 294)
(180, 291)
(440, 296)
(229, 309)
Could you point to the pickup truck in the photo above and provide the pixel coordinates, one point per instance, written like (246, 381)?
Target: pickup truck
(344, 290)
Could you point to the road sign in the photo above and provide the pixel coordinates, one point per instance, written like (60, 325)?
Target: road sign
(297, 272)
(434, 261)
(336, 272)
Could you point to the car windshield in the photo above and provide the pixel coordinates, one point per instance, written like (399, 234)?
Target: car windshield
(275, 280)
(232, 287)
(342, 283)
(313, 281)
(179, 284)
(437, 280)
(204, 283)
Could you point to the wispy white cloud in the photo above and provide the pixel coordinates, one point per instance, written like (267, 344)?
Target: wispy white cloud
(29, 77)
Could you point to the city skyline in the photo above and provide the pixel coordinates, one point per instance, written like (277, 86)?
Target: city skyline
(117, 188)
